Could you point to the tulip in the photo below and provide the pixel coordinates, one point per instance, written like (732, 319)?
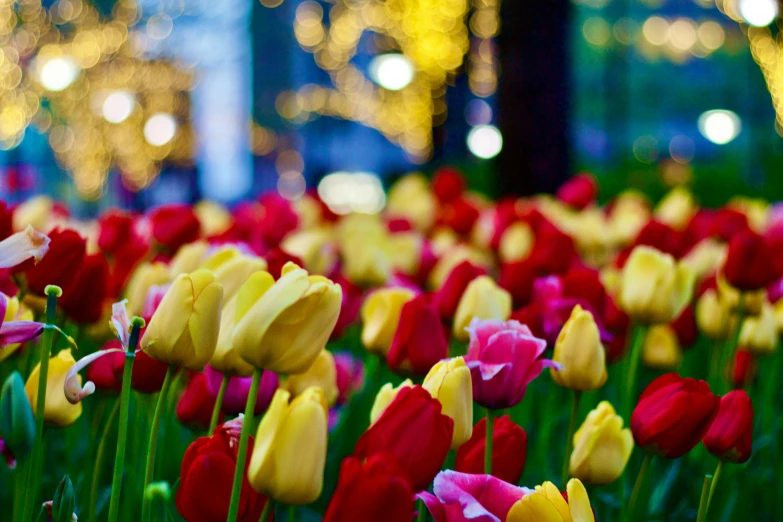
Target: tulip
(547, 504)
(315, 249)
(386, 396)
(509, 450)
(629, 214)
(184, 329)
(663, 238)
(205, 479)
(321, 374)
(449, 382)
(188, 258)
(412, 199)
(460, 215)
(713, 316)
(283, 325)
(115, 229)
(743, 370)
(655, 289)
(759, 334)
(174, 226)
(17, 422)
(462, 497)
(232, 268)
(146, 276)
(661, 350)
(447, 297)
(214, 217)
(578, 349)
(730, 437)
(380, 316)
(415, 432)
(752, 300)
(518, 279)
(57, 410)
(277, 220)
(67, 250)
(672, 415)
(406, 252)
(194, 408)
(516, 243)
(290, 452)
(18, 248)
(420, 339)
(226, 359)
(503, 358)
(36, 212)
(84, 303)
(451, 255)
(705, 258)
(101, 371)
(14, 313)
(676, 208)
(238, 389)
(601, 447)
(748, 265)
(483, 300)
(371, 490)
(579, 191)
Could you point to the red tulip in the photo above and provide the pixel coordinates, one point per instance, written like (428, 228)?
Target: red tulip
(446, 299)
(415, 432)
(744, 369)
(662, 237)
(727, 223)
(124, 263)
(673, 414)
(60, 265)
(748, 265)
(148, 373)
(584, 283)
(84, 301)
(448, 184)
(206, 476)
(276, 260)
(194, 408)
(509, 450)
(115, 230)
(730, 437)
(174, 225)
(277, 219)
(518, 278)
(579, 191)
(101, 371)
(685, 327)
(6, 221)
(460, 214)
(420, 340)
(371, 490)
(553, 251)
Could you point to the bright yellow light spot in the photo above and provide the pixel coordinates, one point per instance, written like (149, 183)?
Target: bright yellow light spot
(656, 30)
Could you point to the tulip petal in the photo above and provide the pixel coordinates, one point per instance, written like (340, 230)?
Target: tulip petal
(74, 391)
(14, 332)
(120, 322)
(534, 507)
(21, 246)
(578, 502)
(434, 506)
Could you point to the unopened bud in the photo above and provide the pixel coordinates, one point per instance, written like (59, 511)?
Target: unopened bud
(17, 422)
(64, 501)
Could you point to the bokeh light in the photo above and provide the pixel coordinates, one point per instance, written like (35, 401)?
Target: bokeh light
(391, 71)
(346, 192)
(758, 13)
(720, 126)
(485, 141)
(160, 129)
(58, 73)
(118, 106)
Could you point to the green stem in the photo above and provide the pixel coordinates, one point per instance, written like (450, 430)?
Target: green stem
(218, 404)
(634, 357)
(268, 508)
(570, 437)
(19, 483)
(637, 488)
(704, 502)
(291, 514)
(122, 431)
(153, 443)
(488, 442)
(422, 509)
(96, 470)
(33, 478)
(250, 406)
(714, 485)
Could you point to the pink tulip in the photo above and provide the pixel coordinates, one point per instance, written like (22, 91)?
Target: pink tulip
(238, 390)
(462, 497)
(503, 358)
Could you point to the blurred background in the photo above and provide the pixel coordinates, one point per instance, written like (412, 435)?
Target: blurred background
(135, 103)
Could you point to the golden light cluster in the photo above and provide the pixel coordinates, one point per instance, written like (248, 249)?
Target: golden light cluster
(433, 36)
(483, 60)
(84, 82)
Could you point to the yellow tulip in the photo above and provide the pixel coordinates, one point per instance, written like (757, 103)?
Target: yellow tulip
(145, 277)
(655, 288)
(289, 454)
(380, 315)
(778, 317)
(214, 217)
(676, 208)
(705, 258)
(14, 312)
(188, 258)
(314, 247)
(661, 350)
(309, 210)
(321, 374)
(366, 250)
(629, 214)
(385, 396)
(546, 504)
(226, 359)
(57, 411)
(712, 316)
(593, 235)
(444, 239)
(601, 447)
(36, 211)
(405, 249)
(612, 279)
(579, 350)
(450, 383)
(483, 299)
(232, 268)
(184, 329)
(283, 325)
(516, 243)
(412, 199)
(759, 333)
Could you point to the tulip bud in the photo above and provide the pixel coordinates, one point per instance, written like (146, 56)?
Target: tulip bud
(184, 329)
(601, 447)
(759, 334)
(380, 315)
(655, 289)
(17, 422)
(64, 501)
(283, 325)
(483, 299)
(385, 396)
(730, 437)
(188, 258)
(578, 349)
(232, 268)
(144, 277)
(57, 411)
(412, 199)
(289, 455)
(748, 265)
(712, 316)
(661, 350)
(321, 374)
(676, 208)
(743, 372)
(509, 450)
(629, 214)
(226, 359)
(174, 225)
(420, 340)
(516, 243)
(449, 381)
